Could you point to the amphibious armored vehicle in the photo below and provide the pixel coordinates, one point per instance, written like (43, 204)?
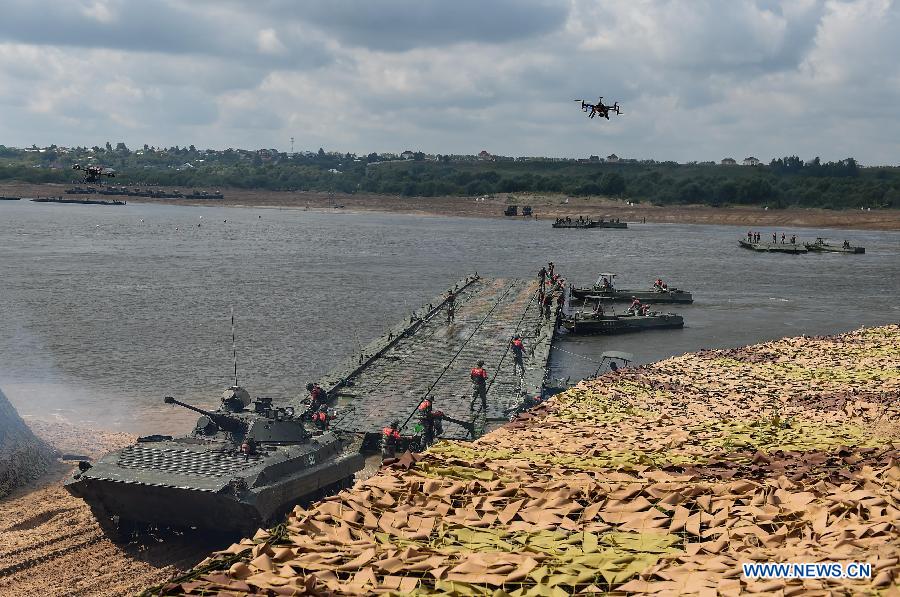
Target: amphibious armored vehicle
(241, 468)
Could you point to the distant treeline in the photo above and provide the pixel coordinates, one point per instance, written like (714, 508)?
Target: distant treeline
(784, 182)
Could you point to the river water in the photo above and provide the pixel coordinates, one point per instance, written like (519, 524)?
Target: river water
(105, 310)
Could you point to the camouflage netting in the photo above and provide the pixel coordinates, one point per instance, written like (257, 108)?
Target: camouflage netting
(22, 456)
(661, 479)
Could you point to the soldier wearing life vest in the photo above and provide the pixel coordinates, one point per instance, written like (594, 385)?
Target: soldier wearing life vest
(390, 438)
(317, 397)
(635, 307)
(518, 348)
(547, 305)
(320, 417)
(426, 419)
(479, 385)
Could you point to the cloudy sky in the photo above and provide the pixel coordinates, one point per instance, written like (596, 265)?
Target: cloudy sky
(697, 79)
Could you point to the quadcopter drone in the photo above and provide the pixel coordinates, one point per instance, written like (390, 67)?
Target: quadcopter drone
(94, 173)
(599, 108)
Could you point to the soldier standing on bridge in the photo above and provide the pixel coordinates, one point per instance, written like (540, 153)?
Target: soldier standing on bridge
(550, 270)
(479, 385)
(451, 306)
(518, 348)
(427, 420)
(547, 304)
(317, 397)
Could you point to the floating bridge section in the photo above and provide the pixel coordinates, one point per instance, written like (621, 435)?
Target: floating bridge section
(429, 356)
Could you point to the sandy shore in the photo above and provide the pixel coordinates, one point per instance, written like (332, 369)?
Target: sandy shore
(50, 543)
(545, 207)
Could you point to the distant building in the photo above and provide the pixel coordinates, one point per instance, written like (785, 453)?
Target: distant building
(407, 155)
(751, 161)
(613, 158)
(729, 162)
(484, 155)
(594, 158)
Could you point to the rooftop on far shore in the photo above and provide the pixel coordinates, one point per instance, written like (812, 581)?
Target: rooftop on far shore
(661, 479)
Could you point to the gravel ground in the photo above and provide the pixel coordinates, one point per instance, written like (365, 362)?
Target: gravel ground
(50, 543)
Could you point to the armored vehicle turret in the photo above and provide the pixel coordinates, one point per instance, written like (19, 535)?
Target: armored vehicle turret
(244, 465)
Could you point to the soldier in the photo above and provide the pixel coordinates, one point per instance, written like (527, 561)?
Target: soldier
(248, 447)
(479, 385)
(635, 305)
(518, 348)
(426, 418)
(317, 397)
(451, 306)
(548, 302)
(390, 439)
(320, 417)
(542, 275)
(550, 270)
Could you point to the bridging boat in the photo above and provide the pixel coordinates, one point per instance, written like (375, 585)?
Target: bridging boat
(78, 201)
(764, 247)
(660, 293)
(820, 246)
(597, 321)
(582, 222)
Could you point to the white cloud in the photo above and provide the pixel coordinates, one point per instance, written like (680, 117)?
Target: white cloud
(697, 79)
(268, 42)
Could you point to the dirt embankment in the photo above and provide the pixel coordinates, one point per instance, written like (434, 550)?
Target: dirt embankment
(545, 207)
(23, 456)
(50, 543)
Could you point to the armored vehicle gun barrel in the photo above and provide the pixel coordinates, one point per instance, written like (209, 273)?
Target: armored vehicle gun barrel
(220, 419)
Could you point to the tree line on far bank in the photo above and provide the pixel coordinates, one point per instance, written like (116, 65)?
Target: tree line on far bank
(784, 182)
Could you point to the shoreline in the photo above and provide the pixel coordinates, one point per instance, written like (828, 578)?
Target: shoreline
(546, 207)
